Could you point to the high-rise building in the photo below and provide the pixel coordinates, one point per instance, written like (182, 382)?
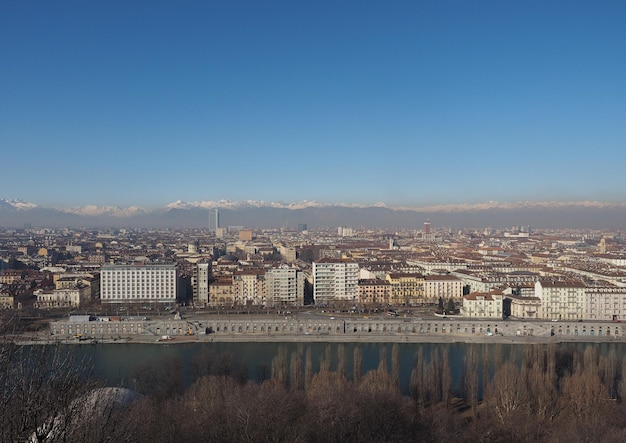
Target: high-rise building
(214, 219)
(200, 283)
(427, 227)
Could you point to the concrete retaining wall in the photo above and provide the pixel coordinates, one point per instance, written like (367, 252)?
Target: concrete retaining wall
(346, 327)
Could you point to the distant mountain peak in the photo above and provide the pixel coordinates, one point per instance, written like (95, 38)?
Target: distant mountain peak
(259, 213)
(20, 205)
(94, 211)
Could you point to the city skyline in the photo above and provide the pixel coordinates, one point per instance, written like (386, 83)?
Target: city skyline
(415, 104)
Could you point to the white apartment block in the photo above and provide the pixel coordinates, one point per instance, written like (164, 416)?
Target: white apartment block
(442, 286)
(483, 305)
(200, 284)
(138, 283)
(561, 300)
(284, 285)
(605, 303)
(335, 280)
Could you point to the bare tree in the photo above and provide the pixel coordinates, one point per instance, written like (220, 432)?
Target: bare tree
(326, 359)
(308, 368)
(395, 363)
(446, 377)
(470, 379)
(507, 394)
(40, 391)
(609, 367)
(357, 363)
(280, 367)
(296, 380)
(416, 384)
(341, 359)
(382, 359)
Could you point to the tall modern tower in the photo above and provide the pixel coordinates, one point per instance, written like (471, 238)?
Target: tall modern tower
(214, 219)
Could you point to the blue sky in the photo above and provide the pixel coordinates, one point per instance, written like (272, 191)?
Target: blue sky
(404, 102)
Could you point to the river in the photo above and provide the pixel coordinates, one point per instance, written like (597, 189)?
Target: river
(121, 364)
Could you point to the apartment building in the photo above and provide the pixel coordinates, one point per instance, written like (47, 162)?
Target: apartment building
(284, 286)
(406, 288)
(483, 304)
(201, 273)
(445, 287)
(249, 287)
(374, 292)
(138, 283)
(335, 280)
(605, 303)
(561, 300)
(221, 292)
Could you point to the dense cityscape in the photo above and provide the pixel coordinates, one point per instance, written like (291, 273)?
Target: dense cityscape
(522, 301)
(516, 273)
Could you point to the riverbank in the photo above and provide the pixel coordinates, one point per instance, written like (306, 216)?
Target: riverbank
(39, 339)
(316, 328)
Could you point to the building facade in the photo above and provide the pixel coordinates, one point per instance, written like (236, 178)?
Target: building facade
(374, 292)
(406, 289)
(445, 287)
(483, 305)
(200, 283)
(221, 292)
(561, 300)
(214, 220)
(284, 286)
(249, 287)
(605, 303)
(335, 280)
(138, 284)
(524, 306)
(62, 298)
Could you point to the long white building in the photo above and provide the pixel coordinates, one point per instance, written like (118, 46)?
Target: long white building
(335, 280)
(138, 283)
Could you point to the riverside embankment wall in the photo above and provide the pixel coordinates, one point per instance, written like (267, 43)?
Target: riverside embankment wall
(292, 326)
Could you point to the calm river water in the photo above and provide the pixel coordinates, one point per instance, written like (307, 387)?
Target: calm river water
(118, 363)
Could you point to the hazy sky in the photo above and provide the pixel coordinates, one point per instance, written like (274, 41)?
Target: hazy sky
(402, 102)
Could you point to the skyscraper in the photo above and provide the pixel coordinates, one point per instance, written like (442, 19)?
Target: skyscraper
(214, 219)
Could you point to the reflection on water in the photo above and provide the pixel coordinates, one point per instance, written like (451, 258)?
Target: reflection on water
(118, 363)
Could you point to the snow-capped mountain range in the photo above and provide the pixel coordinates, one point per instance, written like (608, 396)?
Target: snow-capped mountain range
(130, 211)
(256, 213)
(20, 205)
